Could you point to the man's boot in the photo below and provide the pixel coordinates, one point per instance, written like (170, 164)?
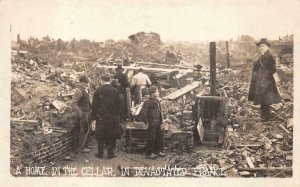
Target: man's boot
(100, 150)
(265, 113)
(111, 153)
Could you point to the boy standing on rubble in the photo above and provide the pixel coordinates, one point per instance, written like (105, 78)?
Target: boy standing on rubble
(81, 104)
(152, 116)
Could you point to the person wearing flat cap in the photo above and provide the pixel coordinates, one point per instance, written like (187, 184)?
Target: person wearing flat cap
(81, 104)
(106, 108)
(152, 117)
(123, 81)
(263, 90)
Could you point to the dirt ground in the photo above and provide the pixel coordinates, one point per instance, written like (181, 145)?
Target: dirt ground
(88, 165)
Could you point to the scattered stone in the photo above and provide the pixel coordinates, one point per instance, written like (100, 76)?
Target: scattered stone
(245, 173)
(59, 104)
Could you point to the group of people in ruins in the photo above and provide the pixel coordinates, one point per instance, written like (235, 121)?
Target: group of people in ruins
(108, 107)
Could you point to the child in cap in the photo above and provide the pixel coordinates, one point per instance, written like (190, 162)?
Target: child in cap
(152, 116)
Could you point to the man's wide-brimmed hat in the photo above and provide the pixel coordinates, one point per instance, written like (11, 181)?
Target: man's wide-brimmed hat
(263, 41)
(119, 67)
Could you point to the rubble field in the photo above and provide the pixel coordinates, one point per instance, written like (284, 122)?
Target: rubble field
(45, 75)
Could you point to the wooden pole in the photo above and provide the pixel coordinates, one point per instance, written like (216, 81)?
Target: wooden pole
(140, 98)
(128, 100)
(89, 84)
(227, 51)
(212, 53)
(18, 43)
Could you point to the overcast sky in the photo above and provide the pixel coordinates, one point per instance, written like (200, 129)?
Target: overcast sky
(173, 20)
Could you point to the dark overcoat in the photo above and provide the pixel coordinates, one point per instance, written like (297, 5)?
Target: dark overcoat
(106, 108)
(123, 80)
(263, 89)
(152, 112)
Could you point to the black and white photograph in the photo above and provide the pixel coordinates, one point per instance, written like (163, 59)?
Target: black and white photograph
(188, 90)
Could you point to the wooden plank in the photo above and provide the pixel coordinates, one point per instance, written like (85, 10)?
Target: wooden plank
(267, 139)
(167, 74)
(128, 96)
(165, 65)
(287, 131)
(67, 95)
(221, 138)
(250, 163)
(136, 125)
(289, 123)
(209, 143)
(23, 120)
(225, 142)
(147, 69)
(130, 136)
(222, 163)
(182, 91)
(224, 93)
(200, 129)
(177, 81)
(57, 128)
(200, 94)
(140, 96)
(210, 97)
(249, 145)
(228, 144)
(267, 169)
(137, 109)
(62, 131)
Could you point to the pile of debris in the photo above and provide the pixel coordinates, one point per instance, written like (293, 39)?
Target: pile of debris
(146, 39)
(40, 97)
(146, 47)
(41, 93)
(257, 148)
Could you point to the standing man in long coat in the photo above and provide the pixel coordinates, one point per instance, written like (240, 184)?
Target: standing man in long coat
(123, 84)
(106, 108)
(263, 89)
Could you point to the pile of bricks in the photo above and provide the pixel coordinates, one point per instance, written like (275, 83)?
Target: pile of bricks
(55, 149)
(48, 151)
(135, 140)
(15, 161)
(186, 120)
(179, 141)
